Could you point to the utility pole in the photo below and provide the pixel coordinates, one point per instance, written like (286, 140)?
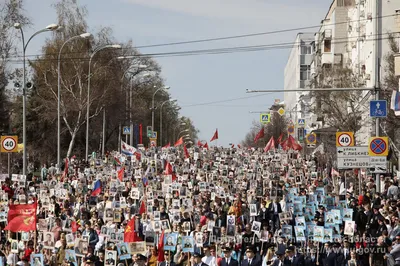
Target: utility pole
(398, 30)
(376, 75)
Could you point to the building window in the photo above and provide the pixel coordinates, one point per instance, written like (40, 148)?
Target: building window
(305, 49)
(305, 72)
(327, 46)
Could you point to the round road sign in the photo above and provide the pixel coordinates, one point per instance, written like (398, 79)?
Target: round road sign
(8, 144)
(290, 129)
(311, 139)
(345, 140)
(378, 146)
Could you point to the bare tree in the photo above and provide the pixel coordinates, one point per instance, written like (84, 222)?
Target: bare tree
(391, 124)
(106, 73)
(277, 126)
(342, 110)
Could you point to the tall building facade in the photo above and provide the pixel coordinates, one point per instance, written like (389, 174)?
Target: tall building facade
(297, 75)
(354, 35)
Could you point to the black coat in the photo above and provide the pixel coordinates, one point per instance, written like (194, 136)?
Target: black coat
(232, 262)
(163, 263)
(308, 261)
(329, 260)
(298, 260)
(254, 262)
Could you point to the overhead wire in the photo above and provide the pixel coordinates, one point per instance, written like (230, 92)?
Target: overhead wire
(226, 50)
(228, 37)
(259, 33)
(227, 100)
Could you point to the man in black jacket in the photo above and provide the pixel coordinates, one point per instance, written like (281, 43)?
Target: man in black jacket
(293, 258)
(228, 260)
(252, 258)
(329, 256)
(197, 260)
(167, 260)
(274, 209)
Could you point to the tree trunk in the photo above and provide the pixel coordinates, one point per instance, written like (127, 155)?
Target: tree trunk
(71, 143)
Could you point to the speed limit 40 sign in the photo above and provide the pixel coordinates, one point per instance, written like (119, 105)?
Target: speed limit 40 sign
(344, 139)
(9, 143)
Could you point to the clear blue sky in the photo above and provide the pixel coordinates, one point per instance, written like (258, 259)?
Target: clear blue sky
(204, 79)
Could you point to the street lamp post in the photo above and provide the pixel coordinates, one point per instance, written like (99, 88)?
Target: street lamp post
(185, 130)
(83, 36)
(152, 106)
(128, 102)
(18, 26)
(113, 46)
(161, 106)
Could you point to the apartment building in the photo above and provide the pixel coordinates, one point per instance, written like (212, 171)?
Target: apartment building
(354, 35)
(297, 76)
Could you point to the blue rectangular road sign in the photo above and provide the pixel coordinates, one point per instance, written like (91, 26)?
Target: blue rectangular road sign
(378, 108)
(127, 130)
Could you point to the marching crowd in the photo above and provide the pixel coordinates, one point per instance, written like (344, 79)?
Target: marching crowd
(202, 207)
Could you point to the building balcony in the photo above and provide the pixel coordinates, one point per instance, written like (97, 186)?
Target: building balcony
(329, 59)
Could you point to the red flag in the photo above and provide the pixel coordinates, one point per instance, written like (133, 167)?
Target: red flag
(138, 156)
(130, 234)
(270, 145)
(233, 146)
(296, 146)
(187, 155)
(199, 143)
(179, 142)
(290, 143)
(75, 226)
(259, 135)
(239, 146)
(21, 217)
(121, 173)
(140, 134)
(284, 144)
(280, 139)
(167, 146)
(215, 135)
(142, 207)
(205, 146)
(169, 171)
(160, 257)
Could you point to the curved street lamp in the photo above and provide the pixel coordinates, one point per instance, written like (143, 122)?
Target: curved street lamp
(161, 106)
(18, 26)
(85, 35)
(185, 130)
(152, 105)
(108, 46)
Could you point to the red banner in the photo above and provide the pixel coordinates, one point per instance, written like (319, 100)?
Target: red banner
(22, 217)
(140, 134)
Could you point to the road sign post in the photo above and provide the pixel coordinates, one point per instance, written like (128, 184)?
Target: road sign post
(378, 146)
(301, 122)
(265, 118)
(378, 108)
(311, 139)
(9, 144)
(359, 157)
(344, 139)
(126, 130)
(153, 142)
(290, 130)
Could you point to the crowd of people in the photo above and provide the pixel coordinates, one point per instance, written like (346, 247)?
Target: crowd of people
(203, 207)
